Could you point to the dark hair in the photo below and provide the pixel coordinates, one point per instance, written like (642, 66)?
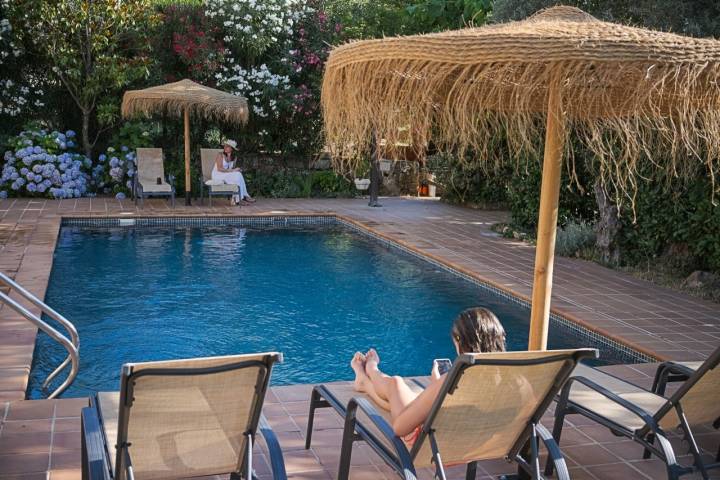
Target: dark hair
(478, 330)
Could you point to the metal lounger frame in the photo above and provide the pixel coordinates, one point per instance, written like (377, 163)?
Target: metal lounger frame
(651, 433)
(525, 452)
(140, 196)
(96, 452)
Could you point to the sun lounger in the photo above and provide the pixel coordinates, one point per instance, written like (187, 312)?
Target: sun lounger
(180, 418)
(208, 157)
(644, 416)
(489, 407)
(150, 180)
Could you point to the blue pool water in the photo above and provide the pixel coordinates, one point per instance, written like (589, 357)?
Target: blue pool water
(315, 293)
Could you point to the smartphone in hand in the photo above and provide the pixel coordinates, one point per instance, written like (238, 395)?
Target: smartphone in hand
(443, 365)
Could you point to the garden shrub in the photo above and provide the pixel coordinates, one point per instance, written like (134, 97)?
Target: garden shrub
(39, 163)
(680, 228)
(574, 237)
(468, 184)
(524, 196)
(294, 183)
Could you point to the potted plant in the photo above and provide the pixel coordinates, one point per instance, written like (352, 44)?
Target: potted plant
(362, 174)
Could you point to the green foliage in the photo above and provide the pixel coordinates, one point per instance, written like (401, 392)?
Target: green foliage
(135, 134)
(699, 18)
(574, 237)
(468, 184)
(431, 15)
(372, 18)
(683, 227)
(289, 183)
(94, 49)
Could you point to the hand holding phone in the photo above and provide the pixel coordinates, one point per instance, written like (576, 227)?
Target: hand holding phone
(442, 364)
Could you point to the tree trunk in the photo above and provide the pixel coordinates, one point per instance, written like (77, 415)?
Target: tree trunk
(87, 146)
(607, 227)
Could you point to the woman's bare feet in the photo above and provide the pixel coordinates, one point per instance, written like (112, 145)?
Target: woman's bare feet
(358, 365)
(372, 360)
(363, 383)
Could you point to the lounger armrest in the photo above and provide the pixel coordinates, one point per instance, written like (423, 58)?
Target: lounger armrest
(669, 369)
(277, 462)
(94, 463)
(644, 415)
(403, 455)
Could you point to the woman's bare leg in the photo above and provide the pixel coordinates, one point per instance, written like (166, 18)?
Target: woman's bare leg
(393, 389)
(362, 381)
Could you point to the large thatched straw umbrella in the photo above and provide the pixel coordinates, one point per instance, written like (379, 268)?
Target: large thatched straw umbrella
(623, 91)
(185, 98)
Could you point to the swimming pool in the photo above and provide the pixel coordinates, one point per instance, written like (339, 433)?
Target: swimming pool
(317, 293)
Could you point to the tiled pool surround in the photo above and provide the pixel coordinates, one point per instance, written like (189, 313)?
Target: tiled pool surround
(585, 336)
(40, 439)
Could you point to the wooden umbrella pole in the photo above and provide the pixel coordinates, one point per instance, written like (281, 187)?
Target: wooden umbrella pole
(187, 156)
(547, 221)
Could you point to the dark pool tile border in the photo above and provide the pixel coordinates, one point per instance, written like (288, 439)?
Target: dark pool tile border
(622, 352)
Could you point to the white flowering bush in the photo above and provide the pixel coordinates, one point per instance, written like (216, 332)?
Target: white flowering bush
(262, 88)
(44, 164)
(254, 26)
(20, 89)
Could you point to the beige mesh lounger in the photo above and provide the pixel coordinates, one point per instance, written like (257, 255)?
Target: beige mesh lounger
(181, 418)
(645, 416)
(489, 407)
(207, 157)
(150, 180)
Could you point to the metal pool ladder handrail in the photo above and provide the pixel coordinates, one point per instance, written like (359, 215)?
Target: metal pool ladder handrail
(72, 345)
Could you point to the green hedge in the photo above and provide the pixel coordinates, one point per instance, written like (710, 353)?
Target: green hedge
(289, 183)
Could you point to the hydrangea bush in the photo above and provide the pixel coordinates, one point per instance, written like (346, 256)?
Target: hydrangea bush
(44, 164)
(114, 172)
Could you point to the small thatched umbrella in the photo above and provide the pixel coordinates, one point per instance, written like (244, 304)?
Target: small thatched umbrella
(623, 90)
(185, 98)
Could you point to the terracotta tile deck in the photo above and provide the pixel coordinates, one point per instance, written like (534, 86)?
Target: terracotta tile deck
(39, 439)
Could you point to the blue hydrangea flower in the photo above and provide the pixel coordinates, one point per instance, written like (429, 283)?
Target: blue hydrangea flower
(41, 188)
(124, 148)
(37, 168)
(24, 171)
(15, 186)
(70, 144)
(120, 196)
(31, 187)
(114, 161)
(70, 134)
(3, 194)
(14, 176)
(37, 149)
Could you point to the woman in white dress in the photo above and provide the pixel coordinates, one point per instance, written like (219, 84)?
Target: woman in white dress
(225, 171)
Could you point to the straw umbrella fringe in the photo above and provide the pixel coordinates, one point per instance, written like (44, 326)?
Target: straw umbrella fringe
(624, 91)
(174, 98)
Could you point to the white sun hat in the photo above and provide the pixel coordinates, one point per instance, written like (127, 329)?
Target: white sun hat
(230, 143)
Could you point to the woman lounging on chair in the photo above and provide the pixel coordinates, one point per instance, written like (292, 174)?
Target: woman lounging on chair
(474, 330)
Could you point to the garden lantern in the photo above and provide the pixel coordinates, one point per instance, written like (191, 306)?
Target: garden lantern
(185, 98)
(623, 91)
